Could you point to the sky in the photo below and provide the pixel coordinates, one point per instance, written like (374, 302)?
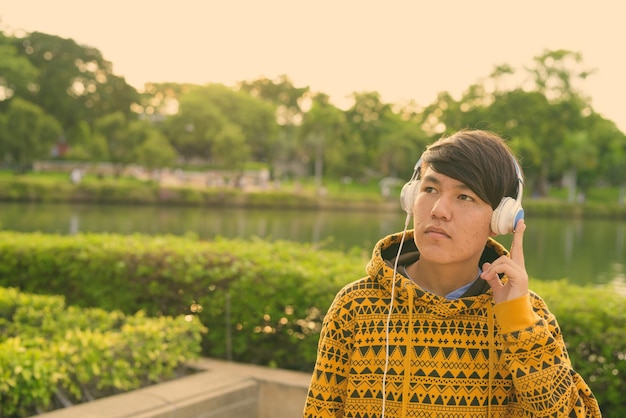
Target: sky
(405, 50)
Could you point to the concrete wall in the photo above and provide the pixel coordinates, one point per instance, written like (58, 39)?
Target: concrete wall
(221, 390)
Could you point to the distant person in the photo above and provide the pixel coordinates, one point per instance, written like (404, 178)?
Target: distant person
(76, 175)
(444, 325)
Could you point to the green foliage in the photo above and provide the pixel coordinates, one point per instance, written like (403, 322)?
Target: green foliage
(28, 378)
(54, 187)
(549, 208)
(180, 275)
(593, 322)
(27, 134)
(296, 132)
(261, 302)
(156, 151)
(90, 190)
(25, 188)
(75, 83)
(221, 125)
(17, 71)
(53, 354)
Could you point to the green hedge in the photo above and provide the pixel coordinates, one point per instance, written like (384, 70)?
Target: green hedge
(593, 322)
(53, 355)
(263, 302)
(259, 300)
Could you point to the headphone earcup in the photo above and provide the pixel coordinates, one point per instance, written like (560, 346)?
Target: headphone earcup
(506, 215)
(408, 194)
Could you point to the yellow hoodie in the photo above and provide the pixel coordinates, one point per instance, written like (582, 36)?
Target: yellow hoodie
(445, 358)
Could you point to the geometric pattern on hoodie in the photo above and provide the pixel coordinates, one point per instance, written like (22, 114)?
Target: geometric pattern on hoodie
(447, 358)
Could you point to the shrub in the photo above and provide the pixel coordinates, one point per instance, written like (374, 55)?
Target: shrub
(593, 323)
(56, 355)
(263, 302)
(271, 295)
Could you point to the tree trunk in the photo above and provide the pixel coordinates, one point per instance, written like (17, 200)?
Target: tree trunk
(319, 161)
(569, 179)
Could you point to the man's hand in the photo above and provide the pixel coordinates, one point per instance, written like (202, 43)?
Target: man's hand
(513, 268)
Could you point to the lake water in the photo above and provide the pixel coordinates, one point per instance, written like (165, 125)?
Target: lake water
(583, 251)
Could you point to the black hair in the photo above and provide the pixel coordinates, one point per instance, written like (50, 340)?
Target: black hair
(480, 159)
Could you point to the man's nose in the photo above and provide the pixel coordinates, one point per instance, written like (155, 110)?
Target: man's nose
(442, 209)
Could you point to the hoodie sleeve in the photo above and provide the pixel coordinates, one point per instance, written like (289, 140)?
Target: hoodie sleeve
(535, 354)
(328, 387)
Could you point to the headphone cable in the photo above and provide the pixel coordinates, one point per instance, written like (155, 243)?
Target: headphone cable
(393, 288)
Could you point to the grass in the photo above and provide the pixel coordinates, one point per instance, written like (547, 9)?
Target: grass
(334, 189)
(50, 177)
(603, 195)
(600, 194)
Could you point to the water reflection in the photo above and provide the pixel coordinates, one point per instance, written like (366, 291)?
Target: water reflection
(74, 224)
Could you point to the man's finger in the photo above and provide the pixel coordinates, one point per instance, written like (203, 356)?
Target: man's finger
(517, 245)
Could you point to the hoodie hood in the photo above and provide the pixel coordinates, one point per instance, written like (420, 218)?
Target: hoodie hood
(410, 297)
(381, 265)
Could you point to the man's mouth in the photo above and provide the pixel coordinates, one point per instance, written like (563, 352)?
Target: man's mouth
(434, 231)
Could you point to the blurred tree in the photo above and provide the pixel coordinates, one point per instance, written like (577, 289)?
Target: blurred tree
(75, 83)
(404, 141)
(121, 138)
(551, 125)
(160, 100)
(392, 140)
(193, 127)
(323, 133)
(288, 154)
(209, 114)
(16, 72)
(365, 119)
(254, 117)
(230, 148)
(577, 154)
(531, 117)
(155, 151)
(287, 99)
(611, 144)
(86, 146)
(542, 116)
(27, 134)
(558, 73)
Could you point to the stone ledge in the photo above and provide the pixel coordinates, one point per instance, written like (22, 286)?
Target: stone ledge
(282, 393)
(222, 390)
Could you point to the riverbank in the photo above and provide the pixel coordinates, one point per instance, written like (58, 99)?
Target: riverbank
(295, 196)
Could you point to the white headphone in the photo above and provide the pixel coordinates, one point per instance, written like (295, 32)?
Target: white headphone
(504, 217)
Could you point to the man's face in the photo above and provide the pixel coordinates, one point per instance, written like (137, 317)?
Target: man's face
(451, 222)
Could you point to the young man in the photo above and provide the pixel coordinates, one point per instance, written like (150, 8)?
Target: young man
(444, 323)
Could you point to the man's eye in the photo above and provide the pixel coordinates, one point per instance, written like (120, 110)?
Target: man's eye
(429, 189)
(465, 197)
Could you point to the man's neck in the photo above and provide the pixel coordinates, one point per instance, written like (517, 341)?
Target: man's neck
(442, 279)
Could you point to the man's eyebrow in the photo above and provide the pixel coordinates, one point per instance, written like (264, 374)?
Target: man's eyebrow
(432, 179)
(435, 180)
